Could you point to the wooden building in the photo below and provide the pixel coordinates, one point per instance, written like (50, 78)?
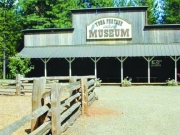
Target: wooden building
(118, 41)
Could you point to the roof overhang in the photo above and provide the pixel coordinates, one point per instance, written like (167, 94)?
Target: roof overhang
(47, 30)
(109, 9)
(82, 51)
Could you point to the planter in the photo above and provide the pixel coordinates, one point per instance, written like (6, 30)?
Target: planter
(171, 82)
(126, 85)
(98, 84)
(126, 82)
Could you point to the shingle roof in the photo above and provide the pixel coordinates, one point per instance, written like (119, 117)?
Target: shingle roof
(132, 50)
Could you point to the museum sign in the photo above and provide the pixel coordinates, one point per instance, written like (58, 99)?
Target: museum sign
(109, 28)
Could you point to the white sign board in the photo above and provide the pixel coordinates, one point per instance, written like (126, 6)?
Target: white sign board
(109, 28)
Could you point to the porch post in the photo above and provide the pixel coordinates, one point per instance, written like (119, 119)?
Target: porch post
(121, 59)
(175, 68)
(95, 68)
(45, 61)
(45, 69)
(70, 60)
(95, 60)
(148, 60)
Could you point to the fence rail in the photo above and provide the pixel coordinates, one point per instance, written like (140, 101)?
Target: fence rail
(22, 85)
(54, 109)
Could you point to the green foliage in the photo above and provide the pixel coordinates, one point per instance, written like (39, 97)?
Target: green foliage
(151, 19)
(46, 14)
(18, 65)
(172, 9)
(101, 3)
(126, 82)
(97, 80)
(121, 3)
(94, 3)
(150, 12)
(10, 30)
(171, 82)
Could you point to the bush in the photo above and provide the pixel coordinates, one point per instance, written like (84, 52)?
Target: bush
(171, 82)
(18, 65)
(126, 81)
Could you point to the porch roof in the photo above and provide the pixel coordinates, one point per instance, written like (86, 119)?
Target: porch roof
(79, 51)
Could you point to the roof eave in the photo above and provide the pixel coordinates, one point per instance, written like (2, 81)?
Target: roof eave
(47, 30)
(162, 26)
(109, 9)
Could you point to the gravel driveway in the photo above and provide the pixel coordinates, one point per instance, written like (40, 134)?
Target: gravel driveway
(135, 110)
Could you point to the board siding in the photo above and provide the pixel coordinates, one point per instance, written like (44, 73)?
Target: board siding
(81, 19)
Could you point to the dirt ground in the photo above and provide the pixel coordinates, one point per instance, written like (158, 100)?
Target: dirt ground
(135, 110)
(13, 108)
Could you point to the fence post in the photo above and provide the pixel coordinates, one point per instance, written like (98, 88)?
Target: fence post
(73, 79)
(55, 109)
(18, 85)
(84, 91)
(38, 90)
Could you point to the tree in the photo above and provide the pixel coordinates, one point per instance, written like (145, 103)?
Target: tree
(94, 3)
(46, 13)
(152, 19)
(10, 31)
(149, 3)
(159, 11)
(172, 15)
(18, 65)
(120, 3)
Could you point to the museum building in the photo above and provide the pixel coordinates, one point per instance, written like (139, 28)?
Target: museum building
(110, 43)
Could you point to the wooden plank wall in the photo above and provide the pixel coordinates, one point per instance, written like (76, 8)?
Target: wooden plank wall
(81, 18)
(48, 39)
(162, 35)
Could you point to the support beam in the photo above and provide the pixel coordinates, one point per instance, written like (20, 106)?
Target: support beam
(70, 60)
(175, 59)
(45, 61)
(122, 59)
(148, 60)
(95, 60)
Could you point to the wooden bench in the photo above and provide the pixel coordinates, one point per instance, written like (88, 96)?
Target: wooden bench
(145, 78)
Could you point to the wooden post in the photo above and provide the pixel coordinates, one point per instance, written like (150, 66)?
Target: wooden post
(149, 60)
(73, 79)
(38, 90)
(18, 85)
(55, 109)
(84, 91)
(175, 59)
(122, 60)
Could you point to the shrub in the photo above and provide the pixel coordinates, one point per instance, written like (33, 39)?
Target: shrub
(18, 65)
(171, 82)
(126, 81)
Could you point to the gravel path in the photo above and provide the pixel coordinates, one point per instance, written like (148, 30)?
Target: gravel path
(13, 108)
(135, 110)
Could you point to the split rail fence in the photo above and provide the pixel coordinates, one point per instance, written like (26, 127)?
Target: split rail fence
(57, 107)
(22, 85)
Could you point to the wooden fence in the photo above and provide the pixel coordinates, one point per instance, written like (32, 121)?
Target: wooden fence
(54, 109)
(22, 85)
